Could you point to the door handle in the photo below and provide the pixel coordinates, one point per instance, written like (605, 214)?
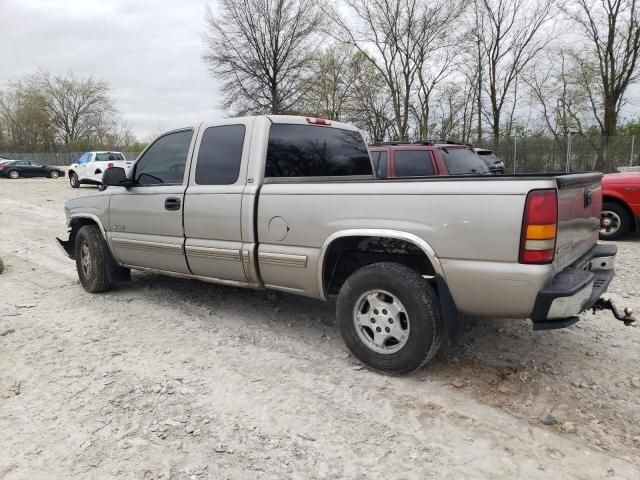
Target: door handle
(172, 203)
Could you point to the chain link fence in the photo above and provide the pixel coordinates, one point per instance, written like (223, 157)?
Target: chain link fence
(57, 159)
(573, 153)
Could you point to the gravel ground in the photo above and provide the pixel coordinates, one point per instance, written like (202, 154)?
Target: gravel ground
(169, 379)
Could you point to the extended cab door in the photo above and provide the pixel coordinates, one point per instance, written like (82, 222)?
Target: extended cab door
(145, 221)
(213, 201)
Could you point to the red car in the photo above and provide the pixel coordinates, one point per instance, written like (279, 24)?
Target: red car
(621, 204)
(424, 159)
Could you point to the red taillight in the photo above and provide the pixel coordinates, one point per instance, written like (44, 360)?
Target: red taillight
(318, 121)
(110, 164)
(2, 165)
(539, 227)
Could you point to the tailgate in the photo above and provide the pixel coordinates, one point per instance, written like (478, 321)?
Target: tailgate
(579, 207)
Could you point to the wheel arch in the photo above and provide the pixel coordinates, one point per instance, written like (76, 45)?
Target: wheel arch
(78, 221)
(343, 235)
(618, 200)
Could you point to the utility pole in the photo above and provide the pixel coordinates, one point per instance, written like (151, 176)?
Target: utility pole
(633, 144)
(568, 166)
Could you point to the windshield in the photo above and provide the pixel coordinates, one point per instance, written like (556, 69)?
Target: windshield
(462, 161)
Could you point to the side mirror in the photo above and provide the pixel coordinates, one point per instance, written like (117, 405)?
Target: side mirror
(116, 177)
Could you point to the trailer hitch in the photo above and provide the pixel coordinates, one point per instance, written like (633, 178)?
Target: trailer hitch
(625, 316)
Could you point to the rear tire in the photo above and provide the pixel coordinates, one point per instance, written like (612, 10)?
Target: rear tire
(615, 222)
(14, 174)
(102, 187)
(389, 318)
(73, 180)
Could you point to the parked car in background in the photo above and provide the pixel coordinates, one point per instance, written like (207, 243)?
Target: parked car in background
(489, 158)
(88, 169)
(28, 168)
(621, 204)
(291, 203)
(425, 158)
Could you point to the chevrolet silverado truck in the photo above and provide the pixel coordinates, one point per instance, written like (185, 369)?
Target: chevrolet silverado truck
(291, 204)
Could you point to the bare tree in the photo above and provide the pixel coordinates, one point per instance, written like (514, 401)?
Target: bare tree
(76, 106)
(369, 107)
(260, 49)
(612, 30)
(24, 122)
(433, 69)
(555, 90)
(509, 35)
(331, 83)
(392, 34)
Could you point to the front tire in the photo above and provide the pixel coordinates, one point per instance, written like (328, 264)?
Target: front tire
(73, 180)
(389, 318)
(91, 259)
(54, 175)
(614, 221)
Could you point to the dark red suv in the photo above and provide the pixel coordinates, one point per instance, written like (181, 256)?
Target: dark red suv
(424, 159)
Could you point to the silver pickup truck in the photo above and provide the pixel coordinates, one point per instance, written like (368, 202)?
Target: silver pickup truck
(291, 204)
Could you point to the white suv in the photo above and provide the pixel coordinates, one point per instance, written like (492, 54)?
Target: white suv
(88, 169)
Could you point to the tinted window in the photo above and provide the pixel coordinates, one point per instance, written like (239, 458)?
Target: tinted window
(219, 155)
(109, 156)
(313, 151)
(412, 163)
(164, 162)
(22, 163)
(380, 163)
(83, 159)
(462, 161)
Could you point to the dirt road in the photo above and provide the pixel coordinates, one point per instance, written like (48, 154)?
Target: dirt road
(170, 379)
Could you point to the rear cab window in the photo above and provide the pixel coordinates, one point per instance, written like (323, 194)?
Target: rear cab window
(296, 150)
(463, 161)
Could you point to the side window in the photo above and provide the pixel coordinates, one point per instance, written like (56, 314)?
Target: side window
(380, 164)
(84, 158)
(219, 155)
(164, 162)
(412, 163)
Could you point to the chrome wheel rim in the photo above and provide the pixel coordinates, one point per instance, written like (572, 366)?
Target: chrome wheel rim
(14, 174)
(610, 223)
(55, 174)
(381, 321)
(85, 259)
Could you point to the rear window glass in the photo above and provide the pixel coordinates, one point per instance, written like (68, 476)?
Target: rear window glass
(314, 151)
(219, 155)
(412, 163)
(461, 161)
(106, 157)
(380, 163)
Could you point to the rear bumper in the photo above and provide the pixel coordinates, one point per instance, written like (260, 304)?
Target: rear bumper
(575, 289)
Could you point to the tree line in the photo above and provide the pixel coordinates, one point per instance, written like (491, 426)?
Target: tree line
(450, 69)
(47, 113)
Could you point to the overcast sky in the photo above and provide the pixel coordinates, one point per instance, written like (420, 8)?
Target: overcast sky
(150, 52)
